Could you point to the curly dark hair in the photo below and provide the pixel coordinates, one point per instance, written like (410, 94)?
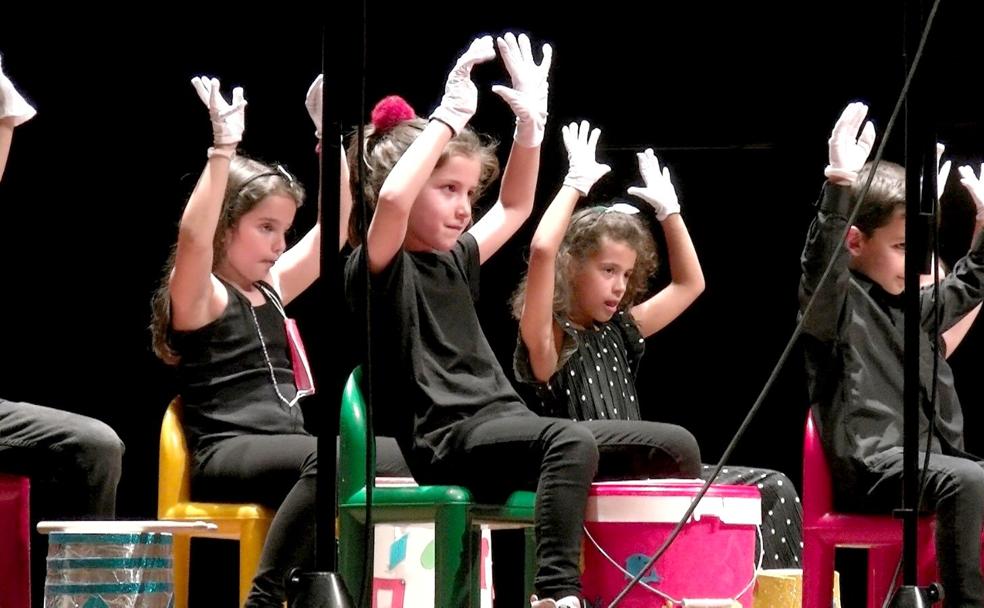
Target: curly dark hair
(582, 240)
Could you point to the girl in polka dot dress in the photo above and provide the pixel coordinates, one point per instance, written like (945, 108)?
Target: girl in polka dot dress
(583, 320)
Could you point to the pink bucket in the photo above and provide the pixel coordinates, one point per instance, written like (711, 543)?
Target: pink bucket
(713, 557)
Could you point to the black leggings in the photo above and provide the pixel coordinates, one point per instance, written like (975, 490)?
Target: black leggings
(277, 471)
(955, 492)
(559, 459)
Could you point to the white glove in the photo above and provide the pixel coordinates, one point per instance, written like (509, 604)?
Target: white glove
(583, 170)
(975, 185)
(460, 95)
(528, 95)
(942, 171)
(12, 104)
(228, 120)
(847, 151)
(313, 103)
(658, 191)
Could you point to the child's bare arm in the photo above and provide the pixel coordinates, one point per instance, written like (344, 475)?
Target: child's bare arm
(195, 298)
(528, 100)
(536, 325)
(6, 136)
(687, 278)
(299, 267)
(398, 193)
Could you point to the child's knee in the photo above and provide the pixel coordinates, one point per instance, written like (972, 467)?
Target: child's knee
(968, 481)
(97, 442)
(577, 444)
(687, 452)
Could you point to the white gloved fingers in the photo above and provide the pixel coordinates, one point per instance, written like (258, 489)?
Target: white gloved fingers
(569, 133)
(525, 49)
(648, 165)
(13, 106)
(847, 125)
(547, 52)
(517, 55)
(509, 51)
(583, 170)
(974, 186)
(515, 100)
(202, 88)
(480, 51)
(941, 179)
(313, 103)
(593, 137)
(215, 101)
(867, 139)
(238, 102)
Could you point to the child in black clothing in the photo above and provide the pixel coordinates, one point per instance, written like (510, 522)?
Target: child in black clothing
(854, 344)
(462, 422)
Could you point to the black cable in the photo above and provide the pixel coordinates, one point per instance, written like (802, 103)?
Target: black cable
(799, 326)
(368, 530)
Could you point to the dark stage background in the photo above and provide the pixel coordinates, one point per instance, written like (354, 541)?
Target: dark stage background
(737, 98)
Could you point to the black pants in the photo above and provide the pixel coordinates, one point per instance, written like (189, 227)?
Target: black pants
(559, 459)
(955, 492)
(74, 463)
(277, 471)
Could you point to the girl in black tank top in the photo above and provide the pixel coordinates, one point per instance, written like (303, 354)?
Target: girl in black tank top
(218, 316)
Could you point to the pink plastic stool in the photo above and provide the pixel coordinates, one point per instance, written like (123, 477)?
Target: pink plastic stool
(15, 530)
(824, 530)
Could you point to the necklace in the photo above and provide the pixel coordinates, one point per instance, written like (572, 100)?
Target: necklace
(266, 357)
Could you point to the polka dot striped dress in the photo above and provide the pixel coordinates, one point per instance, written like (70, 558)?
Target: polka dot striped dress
(597, 365)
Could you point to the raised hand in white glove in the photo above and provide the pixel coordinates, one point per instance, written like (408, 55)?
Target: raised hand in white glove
(13, 106)
(583, 170)
(460, 95)
(658, 191)
(313, 103)
(942, 171)
(975, 185)
(228, 119)
(848, 151)
(528, 95)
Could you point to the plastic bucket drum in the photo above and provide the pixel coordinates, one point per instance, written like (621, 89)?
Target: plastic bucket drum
(714, 556)
(108, 570)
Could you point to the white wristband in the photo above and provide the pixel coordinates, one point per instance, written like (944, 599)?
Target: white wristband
(227, 153)
(843, 177)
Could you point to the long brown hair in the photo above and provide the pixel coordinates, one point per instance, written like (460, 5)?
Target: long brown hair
(250, 181)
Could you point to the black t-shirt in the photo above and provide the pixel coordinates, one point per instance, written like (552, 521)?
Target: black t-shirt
(434, 372)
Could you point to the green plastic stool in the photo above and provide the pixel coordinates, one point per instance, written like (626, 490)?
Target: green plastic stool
(455, 515)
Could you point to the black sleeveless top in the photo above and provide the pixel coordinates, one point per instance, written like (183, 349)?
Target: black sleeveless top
(224, 379)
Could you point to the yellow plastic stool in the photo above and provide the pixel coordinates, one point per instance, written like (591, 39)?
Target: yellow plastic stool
(246, 522)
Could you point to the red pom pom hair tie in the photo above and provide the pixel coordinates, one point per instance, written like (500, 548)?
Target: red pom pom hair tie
(391, 111)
